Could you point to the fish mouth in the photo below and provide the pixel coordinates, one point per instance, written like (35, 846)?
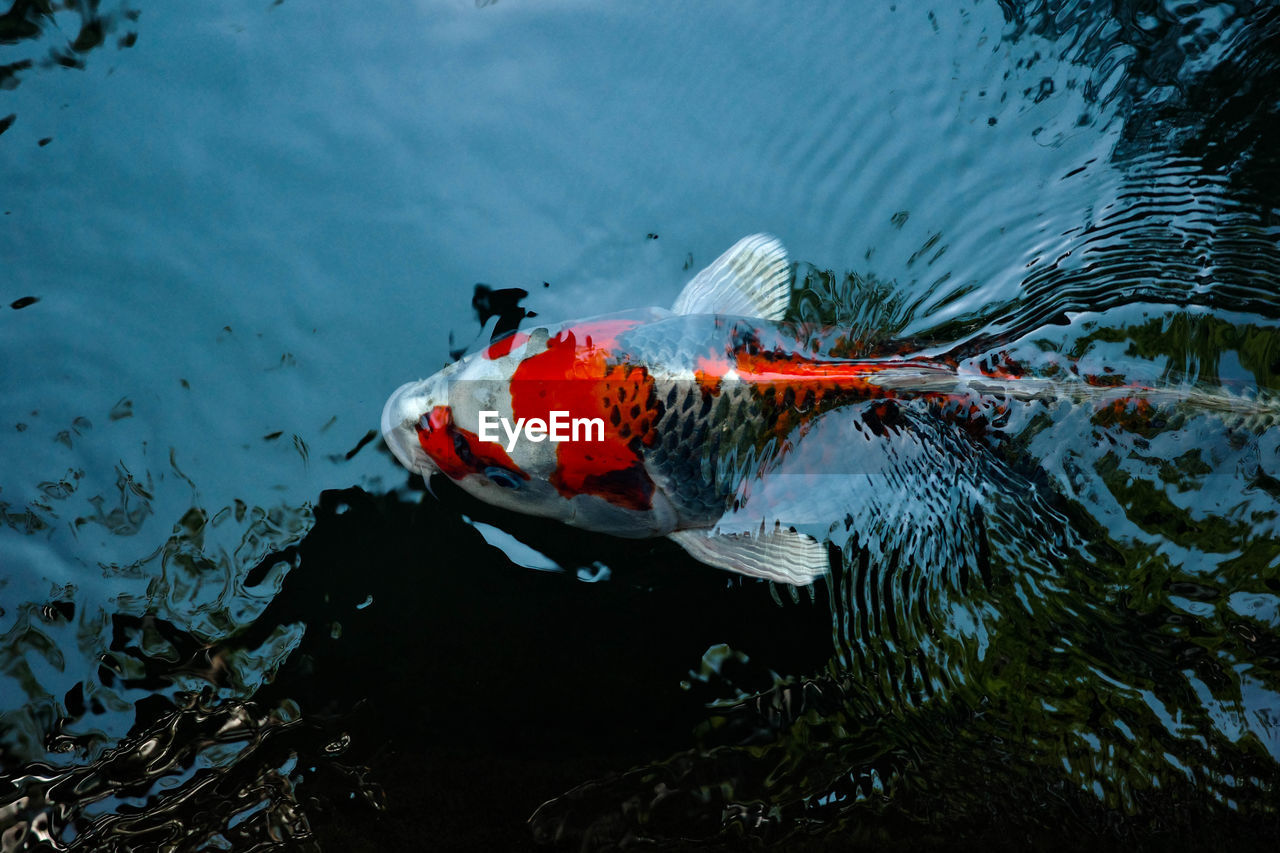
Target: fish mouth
(400, 418)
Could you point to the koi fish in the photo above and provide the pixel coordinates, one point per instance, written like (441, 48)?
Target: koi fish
(685, 413)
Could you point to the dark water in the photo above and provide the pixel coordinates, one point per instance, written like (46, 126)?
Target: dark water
(229, 624)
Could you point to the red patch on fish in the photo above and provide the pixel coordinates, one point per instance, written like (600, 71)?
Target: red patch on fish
(457, 451)
(810, 383)
(504, 346)
(578, 373)
(773, 369)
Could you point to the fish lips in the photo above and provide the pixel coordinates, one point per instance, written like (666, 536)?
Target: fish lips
(400, 421)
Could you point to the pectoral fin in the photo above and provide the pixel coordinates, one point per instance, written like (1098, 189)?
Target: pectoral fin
(752, 279)
(779, 555)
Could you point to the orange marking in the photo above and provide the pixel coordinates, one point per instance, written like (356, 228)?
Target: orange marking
(708, 382)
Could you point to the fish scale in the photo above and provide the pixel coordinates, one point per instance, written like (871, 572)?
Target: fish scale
(712, 440)
(680, 457)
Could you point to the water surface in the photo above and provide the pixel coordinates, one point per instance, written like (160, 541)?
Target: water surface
(243, 225)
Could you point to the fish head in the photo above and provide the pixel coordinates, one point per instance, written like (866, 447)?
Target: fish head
(434, 425)
(530, 424)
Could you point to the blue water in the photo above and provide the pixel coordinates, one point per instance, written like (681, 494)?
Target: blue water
(248, 226)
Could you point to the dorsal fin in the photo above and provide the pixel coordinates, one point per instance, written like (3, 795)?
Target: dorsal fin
(752, 279)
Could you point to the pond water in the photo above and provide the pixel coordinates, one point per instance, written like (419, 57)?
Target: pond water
(230, 620)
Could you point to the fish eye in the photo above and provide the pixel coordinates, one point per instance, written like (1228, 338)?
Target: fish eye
(502, 477)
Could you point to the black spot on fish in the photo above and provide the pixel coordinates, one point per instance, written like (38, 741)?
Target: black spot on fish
(724, 411)
(629, 486)
(615, 416)
(699, 434)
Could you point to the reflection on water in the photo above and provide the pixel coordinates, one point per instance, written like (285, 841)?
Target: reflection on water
(1083, 598)
(1050, 620)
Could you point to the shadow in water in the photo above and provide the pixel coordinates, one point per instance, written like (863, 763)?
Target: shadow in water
(437, 696)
